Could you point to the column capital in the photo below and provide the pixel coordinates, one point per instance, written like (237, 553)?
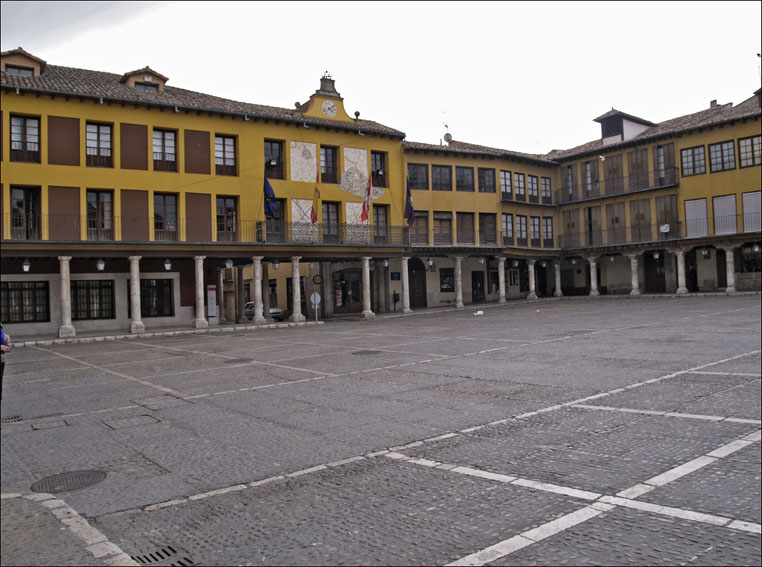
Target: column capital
(64, 258)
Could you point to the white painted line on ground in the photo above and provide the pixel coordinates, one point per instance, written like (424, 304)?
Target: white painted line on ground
(668, 511)
(635, 491)
(548, 487)
(680, 471)
(745, 526)
(728, 449)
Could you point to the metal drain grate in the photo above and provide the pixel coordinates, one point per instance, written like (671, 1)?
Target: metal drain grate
(68, 481)
(166, 557)
(11, 419)
(362, 352)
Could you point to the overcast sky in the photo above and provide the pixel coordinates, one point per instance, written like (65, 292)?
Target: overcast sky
(526, 77)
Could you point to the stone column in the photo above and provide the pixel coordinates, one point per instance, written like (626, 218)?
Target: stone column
(256, 286)
(458, 281)
(730, 270)
(532, 294)
(221, 293)
(66, 329)
(296, 292)
(405, 286)
(681, 288)
(200, 321)
(366, 311)
(635, 282)
(593, 276)
(557, 270)
(266, 291)
(136, 323)
(381, 293)
(501, 279)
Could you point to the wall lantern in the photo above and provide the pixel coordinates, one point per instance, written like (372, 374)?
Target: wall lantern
(656, 255)
(228, 263)
(430, 261)
(276, 264)
(386, 263)
(706, 253)
(612, 259)
(481, 259)
(100, 264)
(26, 265)
(167, 264)
(543, 264)
(574, 260)
(515, 263)
(755, 248)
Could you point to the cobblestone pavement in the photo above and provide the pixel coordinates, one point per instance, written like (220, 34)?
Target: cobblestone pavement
(562, 432)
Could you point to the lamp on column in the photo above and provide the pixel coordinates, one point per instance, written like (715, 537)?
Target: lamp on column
(167, 264)
(228, 263)
(100, 264)
(276, 264)
(26, 265)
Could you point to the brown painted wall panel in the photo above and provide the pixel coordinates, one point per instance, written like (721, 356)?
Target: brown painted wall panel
(198, 219)
(63, 141)
(65, 216)
(197, 152)
(134, 215)
(134, 146)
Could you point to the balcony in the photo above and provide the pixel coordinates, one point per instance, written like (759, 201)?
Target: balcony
(619, 186)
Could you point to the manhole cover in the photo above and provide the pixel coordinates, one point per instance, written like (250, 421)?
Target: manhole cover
(68, 481)
(361, 352)
(11, 419)
(166, 556)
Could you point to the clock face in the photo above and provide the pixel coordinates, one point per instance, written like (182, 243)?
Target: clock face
(329, 108)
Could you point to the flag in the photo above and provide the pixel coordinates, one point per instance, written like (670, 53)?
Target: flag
(269, 200)
(409, 211)
(315, 198)
(366, 203)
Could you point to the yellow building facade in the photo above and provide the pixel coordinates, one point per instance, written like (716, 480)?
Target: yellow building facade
(129, 204)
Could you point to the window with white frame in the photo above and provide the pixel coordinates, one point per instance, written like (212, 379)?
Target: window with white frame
(722, 156)
(750, 151)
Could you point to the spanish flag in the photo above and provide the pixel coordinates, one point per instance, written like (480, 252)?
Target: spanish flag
(315, 199)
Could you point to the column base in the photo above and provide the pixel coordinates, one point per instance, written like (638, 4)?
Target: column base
(594, 293)
(459, 305)
(66, 331)
(367, 315)
(407, 311)
(260, 321)
(532, 295)
(682, 290)
(558, 293)
(730, 290)
(297, 318)
(635, 292)
(200, 323)
(501, 300)
(137, 327)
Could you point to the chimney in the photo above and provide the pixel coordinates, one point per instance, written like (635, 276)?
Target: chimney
(713, 104)
(327, 85)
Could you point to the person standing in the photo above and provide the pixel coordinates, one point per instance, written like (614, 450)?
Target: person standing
(5, 346)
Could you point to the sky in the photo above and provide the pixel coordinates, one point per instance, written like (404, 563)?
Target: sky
(528, 77)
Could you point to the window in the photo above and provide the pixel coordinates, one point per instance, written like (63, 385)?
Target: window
(534, 228)
(157, 298)
(464, 178)
(165, 216)
(465, 228)
(164, 150)
(15, 71)
(693, 161)
(722, 157)
(752, 211)
(227, 219)
(419, 231)
(441, 178)
(570, 179)
(505, 184)
(378, 169)
(329, 164)
(446, 280)
(25, 213)
(418, 176)
(24, 302)
(486, 180)
(98, 148)
(521, 230)
(330, 222)
(442, 228)
(750, 151)
(25, 139)
(533, 188)
(547, 193)
(274, 159)
(724, 214)
(518, 178)
(588, 176)
(100, 215)
(380, 223)
(224, 155)
(146, 88)
(695, 218)
(487, 229)
(92, 299)
(276, 227)
(507, 229)
(547, 232)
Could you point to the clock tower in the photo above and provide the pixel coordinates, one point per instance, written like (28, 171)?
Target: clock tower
(326, 103)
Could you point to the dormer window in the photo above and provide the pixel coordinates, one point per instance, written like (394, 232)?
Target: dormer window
(145, 80)
(19, 71)
(146, 88)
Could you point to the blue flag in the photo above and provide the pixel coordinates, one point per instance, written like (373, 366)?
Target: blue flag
(269, 200)
(409, 211)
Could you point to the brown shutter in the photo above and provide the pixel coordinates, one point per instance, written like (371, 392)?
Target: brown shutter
(134, 146)
(66, 220)
(134, 215)
(197, 152)
(63, 140)
(198, 219)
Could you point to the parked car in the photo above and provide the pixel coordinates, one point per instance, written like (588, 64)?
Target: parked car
(276, 313)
